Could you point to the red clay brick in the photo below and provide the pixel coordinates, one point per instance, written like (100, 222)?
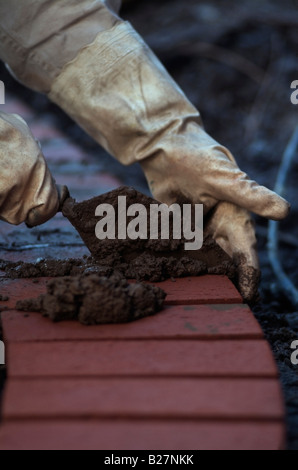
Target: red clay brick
(185, 291)
(19, 289)
(188, 321)
(149, 435)
(143, 398)
(141, 358)
(201, 290)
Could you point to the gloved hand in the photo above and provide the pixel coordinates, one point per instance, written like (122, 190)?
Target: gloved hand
(126, 100)
(27, 190)
(232, 228)
(114, 87)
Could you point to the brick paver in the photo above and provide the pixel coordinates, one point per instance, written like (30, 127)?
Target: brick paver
(147, 398)
(233, 358)
(198, 375)
(186, 291)
(141, 435)
(201, 290)
(174, 322)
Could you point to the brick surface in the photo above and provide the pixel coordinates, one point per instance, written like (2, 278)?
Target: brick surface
(141, 358)
(19, 289)
(195, 376)
(179, 321)
(201, 290)
(185, 291)
(145, 435)
(143, 398)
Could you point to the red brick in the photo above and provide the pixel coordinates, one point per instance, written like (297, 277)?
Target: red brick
(19, 289)
(188, 321)
(186, 291)
(148, 435)
(201, 290)
(143, 398)
(141, 358)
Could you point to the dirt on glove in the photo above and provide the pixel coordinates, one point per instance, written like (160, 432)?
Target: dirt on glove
(95, 300)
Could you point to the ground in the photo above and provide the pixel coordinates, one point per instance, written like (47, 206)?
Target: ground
(235, 61)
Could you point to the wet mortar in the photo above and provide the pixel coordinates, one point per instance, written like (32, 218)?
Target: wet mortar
(96, 300)
(147, 258)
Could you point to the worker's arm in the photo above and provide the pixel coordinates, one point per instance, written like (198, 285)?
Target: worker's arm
(99, 70)
(28, 192)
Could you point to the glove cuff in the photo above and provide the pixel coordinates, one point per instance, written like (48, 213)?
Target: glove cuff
(37, 38)
(119, 92)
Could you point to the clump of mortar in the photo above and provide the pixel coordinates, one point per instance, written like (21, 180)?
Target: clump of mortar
(95, 300)
(144, 259)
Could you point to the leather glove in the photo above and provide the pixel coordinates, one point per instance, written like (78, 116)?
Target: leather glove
(113, 86)
(126, 100)
(27, 190)
(232, 228)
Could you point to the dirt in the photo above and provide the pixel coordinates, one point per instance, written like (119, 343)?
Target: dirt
(145, 259)
(95, 290)
(53, 268)
(96, 300)
(151, 260)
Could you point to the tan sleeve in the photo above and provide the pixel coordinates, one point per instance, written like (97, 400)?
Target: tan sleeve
(38, 37)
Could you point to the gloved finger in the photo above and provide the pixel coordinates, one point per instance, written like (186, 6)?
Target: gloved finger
(45, 199)
(229, 183)
(233, 229)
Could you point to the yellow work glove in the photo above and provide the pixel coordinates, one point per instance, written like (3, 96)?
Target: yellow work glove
(119, 92)
(99, 70)
(28, 192)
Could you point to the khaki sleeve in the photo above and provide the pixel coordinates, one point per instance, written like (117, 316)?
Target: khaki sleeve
(37, 37)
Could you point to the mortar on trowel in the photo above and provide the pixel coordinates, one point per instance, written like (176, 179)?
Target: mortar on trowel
(142, 258)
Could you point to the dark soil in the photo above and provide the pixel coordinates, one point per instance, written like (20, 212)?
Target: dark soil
(145, 259)
(141, 259)
(95, 300)
(53, 268)
(148, 266)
